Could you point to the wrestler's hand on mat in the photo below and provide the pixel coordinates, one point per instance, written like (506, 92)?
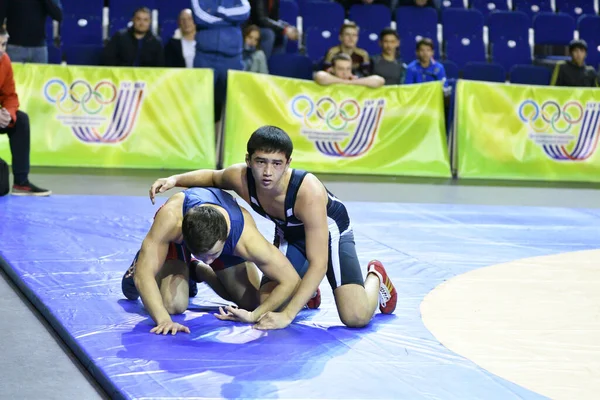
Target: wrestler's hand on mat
(235, 314)
(273, 320)
(161, 185)
(169, 326)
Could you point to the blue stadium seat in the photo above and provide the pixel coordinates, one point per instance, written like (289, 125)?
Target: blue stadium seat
(412, 23)
(509, 38)
(589, 30)
(452, 4)
(170, 9)
(83, 7)
(167, 29)
(452, 71)
(318, 42)
(508, 52)
(488, 6)
(84, 55)
(508, 25)
(464, 50)
(323, 15)
(371, 19)
(291, 66)
(77, 31)
(54, 54)
(553, 29)
(489, 72)
(532, 7)
(576, 8)
(530, 75)
(462, 23)
(289, 11)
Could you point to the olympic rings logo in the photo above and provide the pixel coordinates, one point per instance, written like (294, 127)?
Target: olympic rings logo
(325, 111)
(551, 113)
(80, 94)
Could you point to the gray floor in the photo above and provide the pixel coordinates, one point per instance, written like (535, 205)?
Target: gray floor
(35, 364)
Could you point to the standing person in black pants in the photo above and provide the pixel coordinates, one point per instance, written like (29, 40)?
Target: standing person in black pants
(15, 123)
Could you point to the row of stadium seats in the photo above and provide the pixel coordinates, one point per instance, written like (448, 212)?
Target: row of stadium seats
(463, 35)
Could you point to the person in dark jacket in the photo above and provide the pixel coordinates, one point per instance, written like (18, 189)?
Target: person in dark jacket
(135, 46)
(575, 72)
(274, 32)
(26, 22)
(219, 41)
(180, 52)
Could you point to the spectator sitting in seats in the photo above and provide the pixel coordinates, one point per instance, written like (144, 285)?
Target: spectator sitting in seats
(254, 58)
(341, 72)
(180, 52)
(26, 21)
(135, 46)
(348, 39)
(15, 123)
(425, 68)
(388, 64)
(575, 72)
(274, 32)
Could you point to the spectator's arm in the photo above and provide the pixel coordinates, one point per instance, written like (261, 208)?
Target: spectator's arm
(373, 81)
(325, 78)
(11, 100)
(557, 79)
(54, 9)
(171, 50)
(365, 66)
(160, 54)
(402, 74)
(238, 14)
(260, 15)
(203, 18)
(441, 74)
(329, 56)
(261, 61)
(410, 76)
(111, 51)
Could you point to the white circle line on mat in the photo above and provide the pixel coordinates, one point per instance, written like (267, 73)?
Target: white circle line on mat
(534, 322)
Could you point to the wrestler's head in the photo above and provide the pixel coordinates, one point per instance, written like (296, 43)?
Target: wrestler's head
(269, 153)
(204, 230)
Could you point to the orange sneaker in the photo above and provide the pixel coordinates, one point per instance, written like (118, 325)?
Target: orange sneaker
(315, 301)
(387, 292)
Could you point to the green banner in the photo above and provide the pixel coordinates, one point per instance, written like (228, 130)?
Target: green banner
(117, 117)
(397, 130)
(527, 132)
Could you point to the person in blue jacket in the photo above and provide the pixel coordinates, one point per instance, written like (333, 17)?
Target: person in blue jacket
(425, 68)
(219, 42)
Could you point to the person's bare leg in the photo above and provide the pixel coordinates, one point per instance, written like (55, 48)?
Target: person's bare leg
(242, 285)
(172, 280)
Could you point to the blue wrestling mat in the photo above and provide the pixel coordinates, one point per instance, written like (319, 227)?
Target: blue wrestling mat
(68, 254)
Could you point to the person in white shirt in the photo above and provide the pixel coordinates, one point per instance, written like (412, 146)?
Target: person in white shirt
(181, 48)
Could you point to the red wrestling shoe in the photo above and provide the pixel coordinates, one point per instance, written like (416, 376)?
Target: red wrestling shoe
(387, 293)
(315, 301)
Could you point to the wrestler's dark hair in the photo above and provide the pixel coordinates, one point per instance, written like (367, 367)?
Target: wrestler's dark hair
(270, 139)
(202, 228)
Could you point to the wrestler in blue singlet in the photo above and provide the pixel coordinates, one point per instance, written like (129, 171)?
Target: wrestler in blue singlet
(178, 251)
